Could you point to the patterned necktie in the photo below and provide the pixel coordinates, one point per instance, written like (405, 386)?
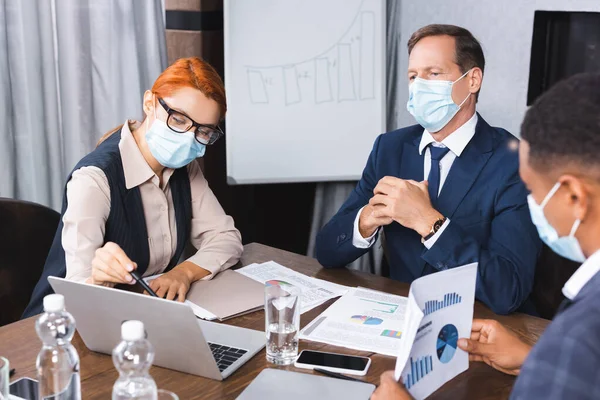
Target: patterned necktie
(437, 153)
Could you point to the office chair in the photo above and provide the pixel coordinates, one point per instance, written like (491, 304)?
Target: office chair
(551, 273)
(26, 234)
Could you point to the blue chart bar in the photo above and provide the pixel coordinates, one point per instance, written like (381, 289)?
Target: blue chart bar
(448, 300)
(418, 370)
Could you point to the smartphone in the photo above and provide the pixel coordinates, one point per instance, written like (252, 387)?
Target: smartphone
(340, 363)
(24, 388)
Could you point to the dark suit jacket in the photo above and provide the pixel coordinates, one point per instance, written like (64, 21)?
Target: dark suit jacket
(482, 196)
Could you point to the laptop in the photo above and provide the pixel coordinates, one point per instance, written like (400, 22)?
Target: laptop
(181, 341)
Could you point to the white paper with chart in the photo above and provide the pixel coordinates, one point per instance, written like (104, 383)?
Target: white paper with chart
(439, 312)
(314, 291)
(362, 319)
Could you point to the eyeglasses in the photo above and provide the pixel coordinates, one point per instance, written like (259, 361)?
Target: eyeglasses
(180, 123)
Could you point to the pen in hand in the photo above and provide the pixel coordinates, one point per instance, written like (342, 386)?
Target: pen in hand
(143, 283)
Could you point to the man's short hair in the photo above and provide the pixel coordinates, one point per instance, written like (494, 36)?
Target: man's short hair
(468, 51)
(563, 125)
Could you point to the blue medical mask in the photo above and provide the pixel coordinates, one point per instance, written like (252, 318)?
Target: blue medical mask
(430, 102)
(566, 246)
(172, 149)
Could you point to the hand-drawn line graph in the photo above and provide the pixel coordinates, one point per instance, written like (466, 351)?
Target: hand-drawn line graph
(343, 72)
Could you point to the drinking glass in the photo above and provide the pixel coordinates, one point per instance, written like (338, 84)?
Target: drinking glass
(282, 322)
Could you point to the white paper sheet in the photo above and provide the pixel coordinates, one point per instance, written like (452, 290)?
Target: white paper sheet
(199, 312)
(314, 291)
(362, 319)
(439, 312)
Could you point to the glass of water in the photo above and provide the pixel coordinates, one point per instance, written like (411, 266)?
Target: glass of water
(4, 378)
(282, 322)
(162, 394)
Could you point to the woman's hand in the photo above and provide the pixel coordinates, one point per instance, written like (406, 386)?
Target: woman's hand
(176, 283)
(496, 346)
(111, 265)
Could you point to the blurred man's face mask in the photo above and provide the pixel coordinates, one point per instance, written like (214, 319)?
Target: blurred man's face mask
(565, 246)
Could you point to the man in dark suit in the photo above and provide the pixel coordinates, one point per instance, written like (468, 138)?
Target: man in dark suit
(560, 165)
(447, 191)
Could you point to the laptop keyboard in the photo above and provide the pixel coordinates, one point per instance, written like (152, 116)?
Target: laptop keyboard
(225, 355)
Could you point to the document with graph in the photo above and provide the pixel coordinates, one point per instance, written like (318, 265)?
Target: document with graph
(439, 312)
(362, 319)
(314, 291)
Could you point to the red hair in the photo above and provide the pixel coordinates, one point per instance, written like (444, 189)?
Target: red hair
(188, 72)
(195, 73)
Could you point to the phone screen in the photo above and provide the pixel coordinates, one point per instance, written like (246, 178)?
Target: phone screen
(25, 388)
(341, 361)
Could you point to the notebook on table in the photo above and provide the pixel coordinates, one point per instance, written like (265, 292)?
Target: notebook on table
(228, 295)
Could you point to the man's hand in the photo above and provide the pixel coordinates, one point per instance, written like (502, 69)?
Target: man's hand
(406, 202)
(176, 283)
(368, 223)
(495, 345)
(389, 389)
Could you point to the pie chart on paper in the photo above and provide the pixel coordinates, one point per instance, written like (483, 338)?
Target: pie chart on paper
(275, 282)
(446, 343)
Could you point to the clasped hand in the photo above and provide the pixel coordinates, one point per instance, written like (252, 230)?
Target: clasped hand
(405, 201)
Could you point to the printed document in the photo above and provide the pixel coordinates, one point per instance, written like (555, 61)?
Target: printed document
(314, 291)
(362, 319)
(439, 312)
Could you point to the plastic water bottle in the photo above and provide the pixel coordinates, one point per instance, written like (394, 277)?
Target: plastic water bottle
(58, 362)
(133, 358)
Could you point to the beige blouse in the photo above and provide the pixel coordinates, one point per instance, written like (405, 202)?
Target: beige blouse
(213, 232)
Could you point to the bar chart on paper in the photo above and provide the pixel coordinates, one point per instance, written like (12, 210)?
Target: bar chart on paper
(418, 369)
(435, 305)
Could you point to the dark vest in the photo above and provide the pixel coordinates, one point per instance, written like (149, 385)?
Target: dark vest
(125, 225)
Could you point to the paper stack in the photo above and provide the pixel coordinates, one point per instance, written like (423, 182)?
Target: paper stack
(314, 291)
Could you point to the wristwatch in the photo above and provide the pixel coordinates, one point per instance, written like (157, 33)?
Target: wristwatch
(436, 227)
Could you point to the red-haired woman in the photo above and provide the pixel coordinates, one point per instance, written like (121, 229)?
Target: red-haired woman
(139, 197)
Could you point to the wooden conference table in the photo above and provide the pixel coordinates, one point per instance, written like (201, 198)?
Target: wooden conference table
(20, 344)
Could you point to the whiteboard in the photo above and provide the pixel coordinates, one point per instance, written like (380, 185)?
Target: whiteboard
(305, 82)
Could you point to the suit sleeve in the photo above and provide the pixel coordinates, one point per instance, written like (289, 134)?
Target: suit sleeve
(564, 364)
(506, 260)
(334, 246)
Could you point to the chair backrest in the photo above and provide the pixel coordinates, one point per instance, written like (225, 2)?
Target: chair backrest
(26, 234)
(551, 273)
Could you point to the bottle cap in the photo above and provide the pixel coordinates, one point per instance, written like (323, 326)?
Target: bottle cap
(54, 303)
(132, 330)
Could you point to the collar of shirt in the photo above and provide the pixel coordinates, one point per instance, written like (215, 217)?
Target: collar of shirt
(135, 167)
(582, 276)
(456, 141)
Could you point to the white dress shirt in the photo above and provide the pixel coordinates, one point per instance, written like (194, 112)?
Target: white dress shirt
(577, 281)
(457, 141)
